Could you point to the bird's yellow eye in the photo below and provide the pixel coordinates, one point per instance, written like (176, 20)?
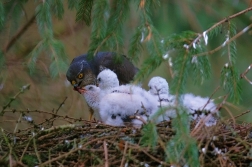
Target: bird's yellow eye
(73, 82)
(80, 76)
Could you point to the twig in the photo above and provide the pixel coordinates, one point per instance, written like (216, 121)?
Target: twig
(61, 104)
(243, 113)
(219, 23)
(106, 153)
(222, 103)
(199, 125)
(15, 129)
(154, 158)
(149, 155)
(231, 115)
(18, 34)
(101, 43)
(49, 157)
(36, 150)
(139, 118)
(72, 151)
(26, 147)
(243, 75)
(226, 42)
(124, 153)
(8, 144)
(60, 127)
(208, 101)
(14, 98)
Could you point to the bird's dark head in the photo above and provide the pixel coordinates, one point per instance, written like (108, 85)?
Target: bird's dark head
(79, 74)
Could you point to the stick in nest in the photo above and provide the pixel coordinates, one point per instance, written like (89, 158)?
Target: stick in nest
(106, 153)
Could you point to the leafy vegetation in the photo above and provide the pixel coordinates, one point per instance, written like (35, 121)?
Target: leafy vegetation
(148, 40)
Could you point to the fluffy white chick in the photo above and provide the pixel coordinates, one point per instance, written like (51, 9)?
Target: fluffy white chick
(107, 80)
(159, 88)
(91, 95)
(108, 83)
(200, 108)
(119, 109)
(197, 107)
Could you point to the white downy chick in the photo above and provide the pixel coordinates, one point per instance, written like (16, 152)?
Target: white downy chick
(197, 107)
(108, 83)
(158, 87)
(200, 108)
(119, 109)
(91, 95)
(107, 80)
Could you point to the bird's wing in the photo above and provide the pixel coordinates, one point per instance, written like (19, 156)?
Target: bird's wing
(124, 69)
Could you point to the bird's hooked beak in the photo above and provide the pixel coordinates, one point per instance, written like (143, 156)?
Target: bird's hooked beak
(78, 89)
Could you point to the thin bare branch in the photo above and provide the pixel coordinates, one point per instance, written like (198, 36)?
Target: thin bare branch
(219, 23)
(243, 75)
(226, 42)
(19, 33)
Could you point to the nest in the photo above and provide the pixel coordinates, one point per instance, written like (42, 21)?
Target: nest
(96, 144)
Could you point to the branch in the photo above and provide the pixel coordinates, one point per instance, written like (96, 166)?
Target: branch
(124, 153)
(102, 42)
(243, 75)
(217, 24)
(65, 155)
(243, 113)
(226, 42)
(14, 98)
(106, 153)
(20, 32)
(61, 104)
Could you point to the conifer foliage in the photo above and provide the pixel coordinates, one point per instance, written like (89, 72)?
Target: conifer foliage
(49, 44)
(107, 19)
(187, 53)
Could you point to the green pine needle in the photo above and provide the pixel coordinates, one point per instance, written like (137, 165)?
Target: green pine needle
(201, 67)
(99, 26)
(33, 56)
(181, 64)
(14, 11)
(216, 31)
(135, 46)
(230, 49)
(232, 46)
(149, 65)
(182, 148)
(149, 135)
(230, 82)
(232, 52)
(177, 41)
(3, 74)
(84, 11)
(57, 8)
(2, 15)
(44, 20)
(57, 53)
(116, 20)
(184, 63)
(2, 60)
(58, 56)
(73, 4)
